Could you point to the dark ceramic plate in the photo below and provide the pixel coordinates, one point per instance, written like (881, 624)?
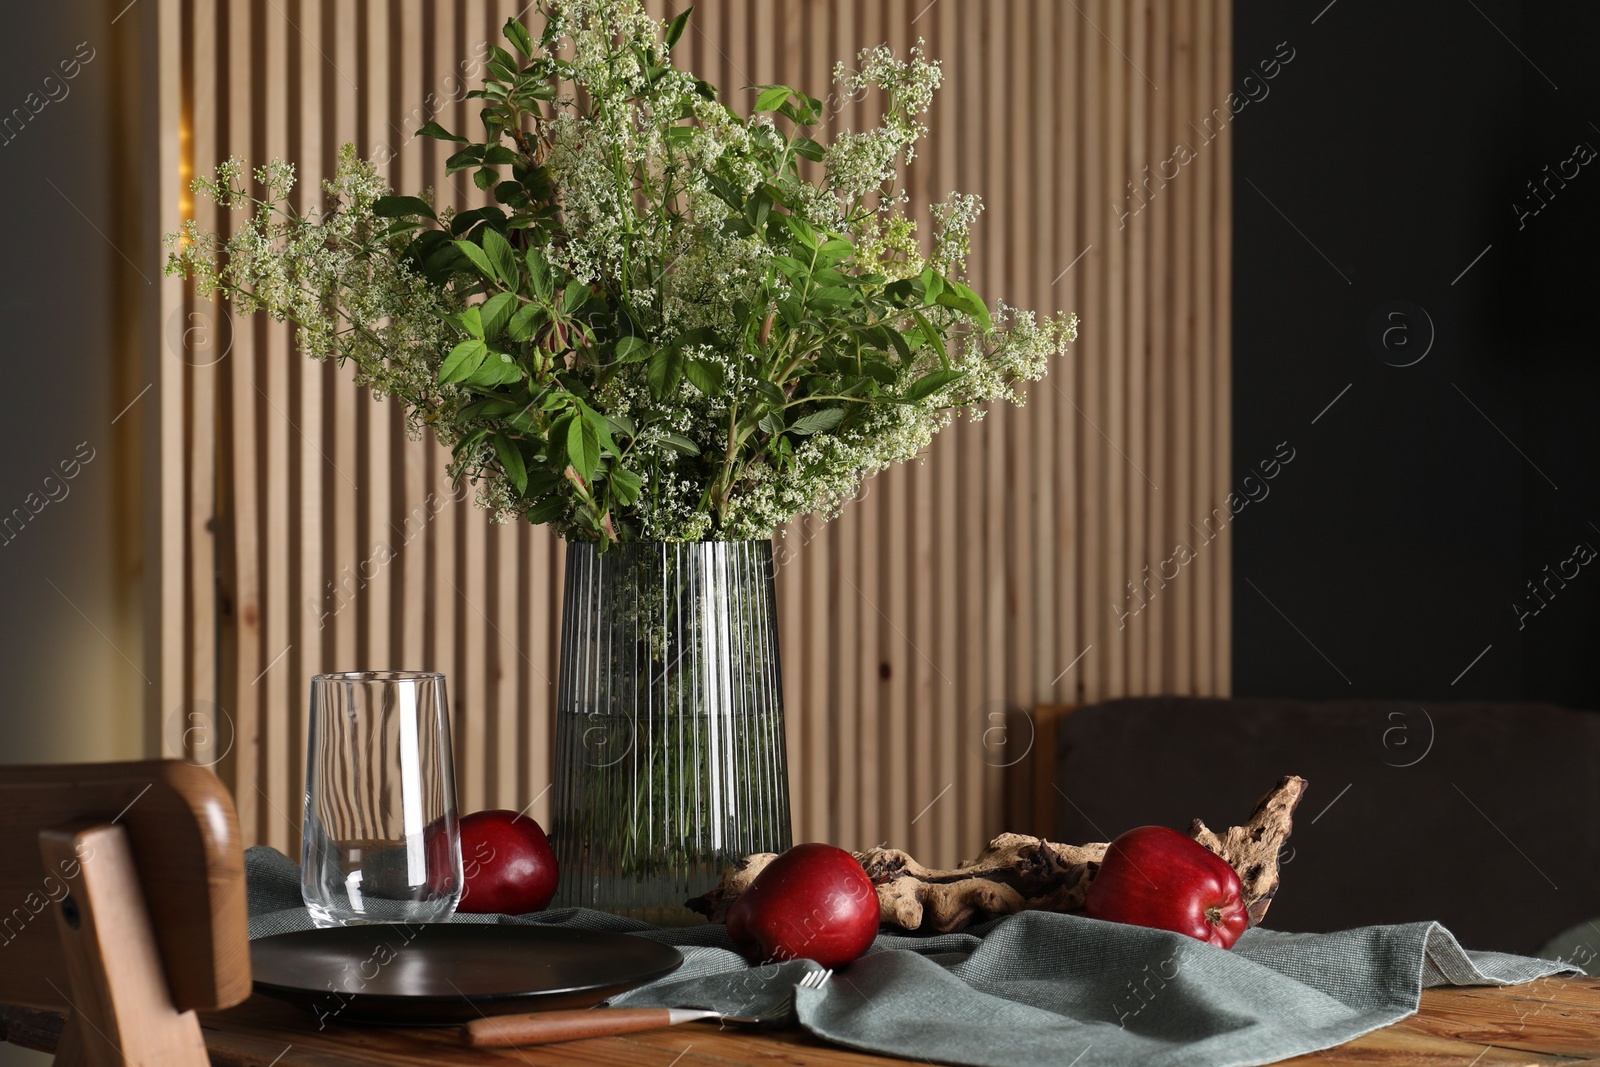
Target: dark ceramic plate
(441, 973)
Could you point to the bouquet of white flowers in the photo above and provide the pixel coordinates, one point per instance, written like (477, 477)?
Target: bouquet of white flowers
(661, 328)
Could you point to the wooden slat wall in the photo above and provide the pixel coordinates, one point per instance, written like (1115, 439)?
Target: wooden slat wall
(301, 532)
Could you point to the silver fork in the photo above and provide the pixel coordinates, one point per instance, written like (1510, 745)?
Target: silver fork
(548, 1027)
(816, 979)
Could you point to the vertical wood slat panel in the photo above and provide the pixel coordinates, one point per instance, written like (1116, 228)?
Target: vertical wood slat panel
(419, 469)
(1222, 346)
(1183, 495)
(200, 631)
(946, 832)
(1139, 483)
(278, 612)
(1093, 338)
(167, 524)
(916, 548)
(958, 586)
(440, 541)
(311, 607)
(241, 501)
(1208, 288)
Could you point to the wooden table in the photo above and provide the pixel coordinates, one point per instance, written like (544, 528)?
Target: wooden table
(1541, 1024)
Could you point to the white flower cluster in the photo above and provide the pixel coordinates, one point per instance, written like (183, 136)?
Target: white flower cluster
(330, 273)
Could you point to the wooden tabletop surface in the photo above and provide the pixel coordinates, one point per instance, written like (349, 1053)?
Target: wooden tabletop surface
(1554, 1021)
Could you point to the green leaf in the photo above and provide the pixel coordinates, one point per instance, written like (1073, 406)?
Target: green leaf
(555, 443)
(623, 426)
(803, 230)
(625, 485)
(549, 509)
(898, 341)
(806, 148)
(479, 257)
(526, 320)
(680, 444)
(439, 133)
(632, 349)
(573, 296)
(468, 219)
(879, 371)
(399, 207)
(704, 375)
(469, 156)
(700, 335)
(469, 322)
(517, 34)
(502, 258)
(538, 273)
(602, 429)
(485, 177)
(770, 393)
(830, 297)
(962, 299)
(499, 155)
(929, 384)
(932, 337)
(464, 359)
(666, 368)
(676, 26)
(772, 96)
(771, 422)
(817, 421)
(489, 409)
(498, 369)
(834, 249)
(583, 448)
(496, 313)
(511, 461)
(792, 268)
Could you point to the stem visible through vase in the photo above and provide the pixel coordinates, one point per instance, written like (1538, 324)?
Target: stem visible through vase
(669, 733)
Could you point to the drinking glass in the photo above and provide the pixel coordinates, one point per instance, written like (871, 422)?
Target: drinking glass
(381, 843)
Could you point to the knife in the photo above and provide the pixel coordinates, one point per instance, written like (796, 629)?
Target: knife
(548, 1027)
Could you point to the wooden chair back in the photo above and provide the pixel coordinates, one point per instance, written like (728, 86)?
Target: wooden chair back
(122, 905)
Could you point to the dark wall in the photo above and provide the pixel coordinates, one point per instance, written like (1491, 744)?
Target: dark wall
(1389, 163)
(70, 654)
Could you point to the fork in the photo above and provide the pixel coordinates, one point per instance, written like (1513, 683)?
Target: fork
(549, 1027)
(816, 979)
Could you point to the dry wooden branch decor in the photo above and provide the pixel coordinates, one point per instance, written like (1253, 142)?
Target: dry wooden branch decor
(1020, 873)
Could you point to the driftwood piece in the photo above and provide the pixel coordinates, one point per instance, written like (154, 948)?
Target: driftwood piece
(1253, 849)
(1020, 873)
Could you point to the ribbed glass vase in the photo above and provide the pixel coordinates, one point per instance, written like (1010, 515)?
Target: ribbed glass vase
(669, 724)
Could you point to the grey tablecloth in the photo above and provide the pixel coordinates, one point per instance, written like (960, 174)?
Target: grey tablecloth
(1046, 989)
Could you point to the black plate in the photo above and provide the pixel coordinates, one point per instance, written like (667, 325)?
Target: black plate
(440, 973)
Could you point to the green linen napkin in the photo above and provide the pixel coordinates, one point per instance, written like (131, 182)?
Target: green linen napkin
(1041, 988)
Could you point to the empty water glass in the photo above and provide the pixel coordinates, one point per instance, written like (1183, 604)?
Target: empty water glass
(381, 841)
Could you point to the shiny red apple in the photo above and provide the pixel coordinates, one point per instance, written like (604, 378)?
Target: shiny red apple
(1154, 876)
(508, 864)
(813, 902)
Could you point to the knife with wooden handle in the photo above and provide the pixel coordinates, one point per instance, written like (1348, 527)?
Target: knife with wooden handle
(548, 1027)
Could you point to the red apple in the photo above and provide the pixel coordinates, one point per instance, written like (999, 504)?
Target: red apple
(813, 902)
(509, 865)
(1157, 877)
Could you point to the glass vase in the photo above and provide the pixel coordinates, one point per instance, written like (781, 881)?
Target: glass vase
(670, 759)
